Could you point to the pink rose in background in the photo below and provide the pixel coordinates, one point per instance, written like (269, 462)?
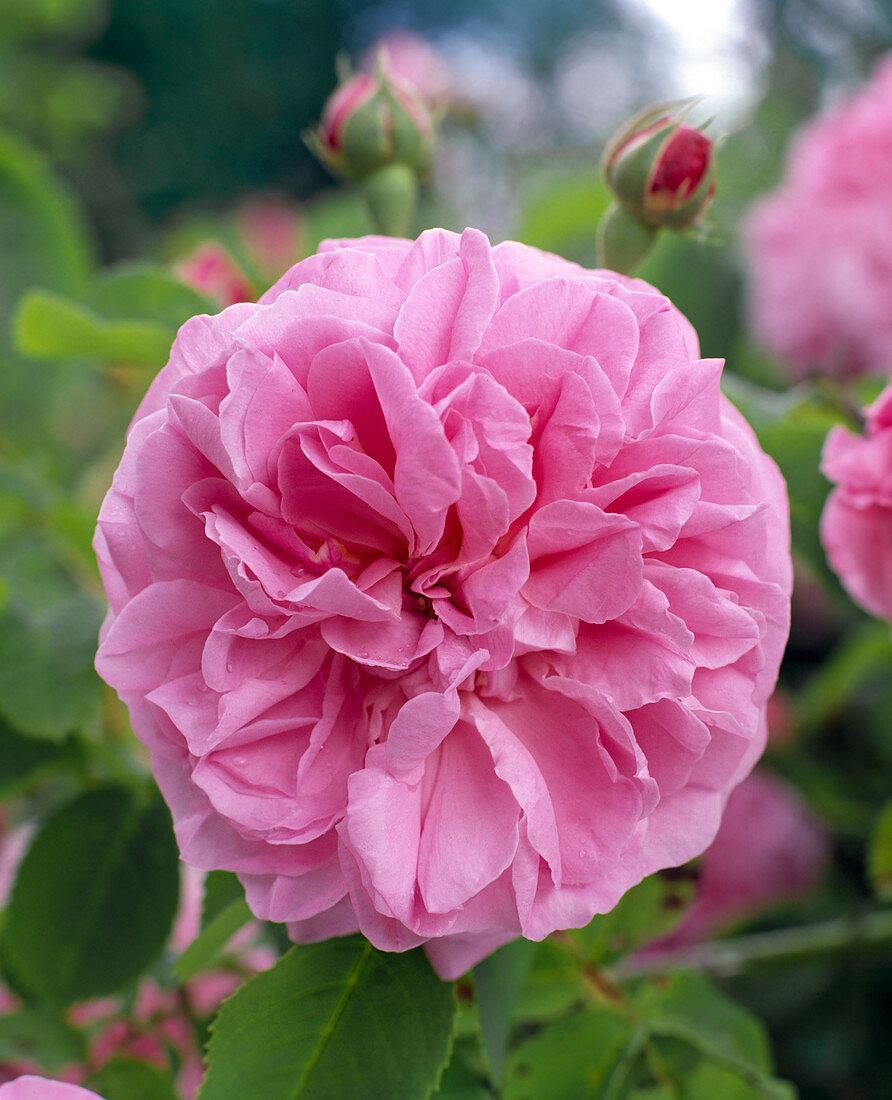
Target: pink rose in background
(272, 232)
(39, 1088)
(769, 848)
(446, 589)
(820, 247)
(856, 527)
(211, 270)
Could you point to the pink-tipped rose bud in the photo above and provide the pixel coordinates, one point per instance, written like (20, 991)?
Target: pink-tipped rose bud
(412, 61)
(371, 122)
(211, 271)
(662, 171)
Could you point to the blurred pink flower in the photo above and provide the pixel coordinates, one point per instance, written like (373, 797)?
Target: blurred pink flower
(856, 527)
(447, 591)
(769, 848)
(272, 232)
(40, 1088)
(211, 270)
(412, 60)
(820, 247)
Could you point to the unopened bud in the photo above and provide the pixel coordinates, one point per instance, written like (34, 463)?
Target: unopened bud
(662, 171)
(372, 122)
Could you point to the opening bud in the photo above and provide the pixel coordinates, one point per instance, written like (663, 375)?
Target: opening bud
(662, 171)
(370, 122)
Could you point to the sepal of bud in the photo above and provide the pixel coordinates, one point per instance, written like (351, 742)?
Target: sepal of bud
(661, 170)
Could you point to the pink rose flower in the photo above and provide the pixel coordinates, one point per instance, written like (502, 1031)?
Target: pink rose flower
(820, 247)
(769, 848)
(856, 527)
(447, 591)
(39, 1088)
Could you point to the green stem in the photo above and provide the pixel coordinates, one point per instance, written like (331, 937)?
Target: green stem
(867, 934)
(391, 195)
(623, 241)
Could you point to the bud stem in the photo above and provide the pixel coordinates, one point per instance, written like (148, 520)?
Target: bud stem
(391, 195)
(623, 241)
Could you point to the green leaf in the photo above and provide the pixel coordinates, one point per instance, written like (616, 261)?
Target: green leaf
(147, 291)
(47, 682)
(94, 899)
(497, 981)
(553, 983)
(648, 910)
(28, 758)
(43, 237)
(41, 1037)
(334, 1019)
(709, 1082)
(570, 1059)
(460, 1082)
(127, 1079)
(221, 889)
(48, 326)
(879, 856)
(563, 215)
(687, 1006)
(203, 951)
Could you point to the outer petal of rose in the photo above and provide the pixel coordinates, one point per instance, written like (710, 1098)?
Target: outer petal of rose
(339, 920)
(451, 956)
(447, 310)
(567, 443)
(174, 539)
(583, 561)
(155, 627)
(563, 739)
(359, 270)
(210, 842)
(572, 314)
(29, 1087)
(638, 659)
(202, 346)
(851, 536)
(418, 729)
(672, 739)
(469, 833)
(263, 402)
(283, 898)
(723, 630)
(660, 501)
(382, 828)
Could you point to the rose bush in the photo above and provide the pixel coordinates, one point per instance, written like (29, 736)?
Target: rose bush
(856, 526)
(819, 256)
(447, 591)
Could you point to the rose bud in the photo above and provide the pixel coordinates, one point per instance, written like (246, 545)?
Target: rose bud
(660, 170)
(212, 271)
(377, 132)
(371, 122)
